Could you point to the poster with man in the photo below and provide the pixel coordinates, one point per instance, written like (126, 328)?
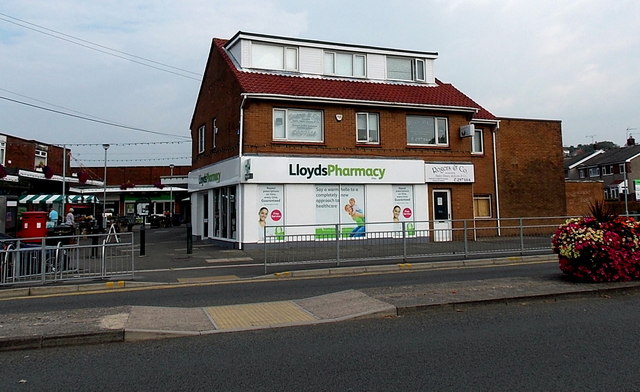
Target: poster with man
(352, 214)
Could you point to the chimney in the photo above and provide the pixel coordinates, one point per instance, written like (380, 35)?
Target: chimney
(631, 141)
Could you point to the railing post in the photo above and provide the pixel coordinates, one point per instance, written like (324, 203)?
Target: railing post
(521, 237)
(337, 244)
(189, 239)
(43, 259)
(142, 240)
(404, 242)
(466, 243)
(264, 240)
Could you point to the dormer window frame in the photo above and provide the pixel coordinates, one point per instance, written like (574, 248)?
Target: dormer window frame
(418, 71)
(330, 66)
(289, 57)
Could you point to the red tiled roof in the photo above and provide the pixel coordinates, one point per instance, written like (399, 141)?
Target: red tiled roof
(442, 94)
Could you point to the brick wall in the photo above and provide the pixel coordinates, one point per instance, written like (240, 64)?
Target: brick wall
(581, 194)
(530, 168)
(21, 153)
(137, 175)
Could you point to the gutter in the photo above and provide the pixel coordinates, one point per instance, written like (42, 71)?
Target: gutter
(494, 131)
(240, 222)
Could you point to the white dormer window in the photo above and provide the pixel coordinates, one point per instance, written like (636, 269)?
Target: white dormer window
(344, 64)
(275, 57)
(402, 68)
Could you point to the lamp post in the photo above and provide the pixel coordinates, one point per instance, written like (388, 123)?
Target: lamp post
(104, 193)
(171, 166)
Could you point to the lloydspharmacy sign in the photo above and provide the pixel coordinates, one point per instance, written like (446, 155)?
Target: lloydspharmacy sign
(333, 170)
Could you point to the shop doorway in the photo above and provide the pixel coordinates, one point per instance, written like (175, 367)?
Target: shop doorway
(442, 215)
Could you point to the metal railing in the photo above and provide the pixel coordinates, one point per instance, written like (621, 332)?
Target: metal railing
(65, 258)
(407, 241)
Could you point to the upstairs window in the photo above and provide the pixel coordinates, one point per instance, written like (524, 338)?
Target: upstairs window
(274, 57)
(298, 125)
(427, 131)
(344, 64)
(201, 138)
(594, 172)
(400, 68)
(214, 132)
(40, 158)
(477, 144)
(3, 149)
(367, 128)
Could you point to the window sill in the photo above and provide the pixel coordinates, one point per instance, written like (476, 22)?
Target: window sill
(370, 145)
(287, 142)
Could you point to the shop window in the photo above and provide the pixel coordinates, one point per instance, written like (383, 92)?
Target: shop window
(427, 131)
(367, 128)
(298, 125)
(477, 144)
(482, 206)
(201, 138)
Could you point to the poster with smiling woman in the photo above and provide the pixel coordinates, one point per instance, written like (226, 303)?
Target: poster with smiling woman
(270, 212)
(402, 210)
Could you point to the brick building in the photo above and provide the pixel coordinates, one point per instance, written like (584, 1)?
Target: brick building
(288, 131)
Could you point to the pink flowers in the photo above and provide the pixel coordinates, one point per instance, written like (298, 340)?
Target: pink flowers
(599, 250)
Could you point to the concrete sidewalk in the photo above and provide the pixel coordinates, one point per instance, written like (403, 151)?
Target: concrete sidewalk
(130, 323)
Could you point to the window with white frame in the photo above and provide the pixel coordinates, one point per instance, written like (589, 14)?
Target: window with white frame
(477, 144)
(621, 169)
(201, 138)
(582, 173)
(214, 132)
(402, 68)
(482, 206)
(41, 157)
(594, 172)
(298, 125)
(344, 64)
(274, 57)
(3, 149)
(368, 130)
(427, 131)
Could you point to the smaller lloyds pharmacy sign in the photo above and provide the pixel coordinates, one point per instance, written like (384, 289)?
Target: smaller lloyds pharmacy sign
(449, 172)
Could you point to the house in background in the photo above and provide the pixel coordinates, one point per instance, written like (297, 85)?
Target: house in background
(288, 131)
(619, 171)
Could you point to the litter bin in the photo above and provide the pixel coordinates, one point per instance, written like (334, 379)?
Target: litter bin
(33, 224)
(65, 231)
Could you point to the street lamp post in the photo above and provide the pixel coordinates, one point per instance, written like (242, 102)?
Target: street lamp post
(171, 166)
(104, 193)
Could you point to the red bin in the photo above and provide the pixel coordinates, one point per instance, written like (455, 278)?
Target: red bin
(33, 224)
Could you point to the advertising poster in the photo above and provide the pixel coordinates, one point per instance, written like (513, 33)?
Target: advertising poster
(327, 210)
(352, 211)
(402, 210)
(270, 212)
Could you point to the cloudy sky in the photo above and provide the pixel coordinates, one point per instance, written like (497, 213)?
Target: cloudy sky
(138, 63)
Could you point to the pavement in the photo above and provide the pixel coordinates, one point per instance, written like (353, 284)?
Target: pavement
(21, 331)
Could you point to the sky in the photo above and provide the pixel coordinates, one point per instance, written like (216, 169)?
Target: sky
(71, 69)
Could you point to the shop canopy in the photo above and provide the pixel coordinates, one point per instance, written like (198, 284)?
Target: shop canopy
(48, 199)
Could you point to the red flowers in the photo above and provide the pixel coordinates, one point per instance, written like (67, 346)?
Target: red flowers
(599, 251)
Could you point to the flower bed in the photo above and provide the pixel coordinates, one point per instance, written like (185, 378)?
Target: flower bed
(599, 250)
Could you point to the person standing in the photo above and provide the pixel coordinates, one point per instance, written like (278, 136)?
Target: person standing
(53, 217)
(70, 219)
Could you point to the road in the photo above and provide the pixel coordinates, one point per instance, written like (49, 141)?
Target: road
(270, 290)
(572, 345)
